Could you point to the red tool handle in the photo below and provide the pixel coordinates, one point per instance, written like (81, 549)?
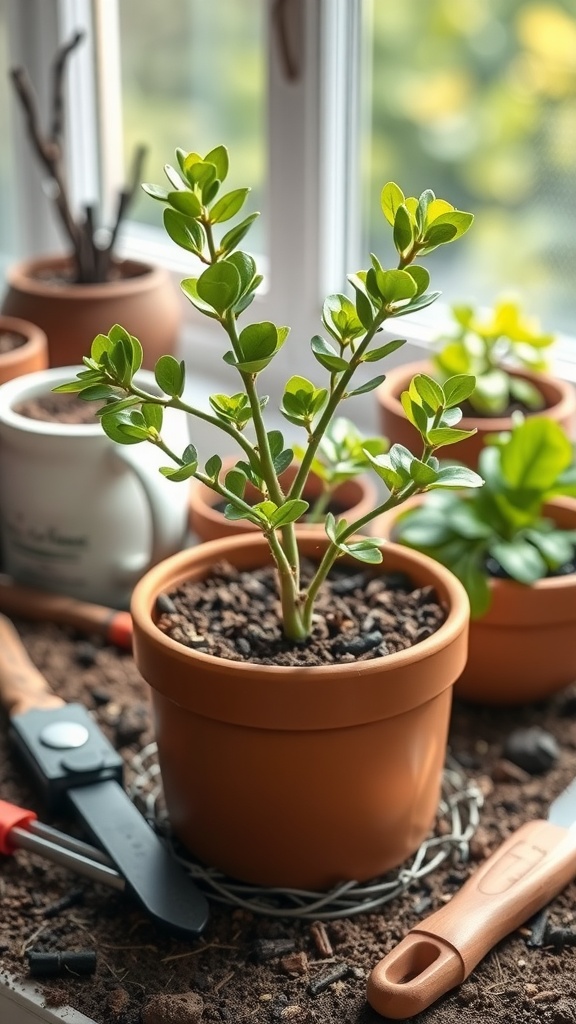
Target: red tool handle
(115, 626)
(525, 873)
(11, 817)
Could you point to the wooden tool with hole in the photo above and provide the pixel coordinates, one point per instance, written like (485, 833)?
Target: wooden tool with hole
(531, 867)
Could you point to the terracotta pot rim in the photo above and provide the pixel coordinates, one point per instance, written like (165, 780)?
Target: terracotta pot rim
(175, 570)
(540, 600)
(39, 382)
(207, 499)
(22, 276)
(35, 340)
(398, 378)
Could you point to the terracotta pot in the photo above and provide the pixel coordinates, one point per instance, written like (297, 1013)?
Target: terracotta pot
(560, 397)
(208, 522)
(27, 357)
(143, 300)
(524, 648)
(300, 776)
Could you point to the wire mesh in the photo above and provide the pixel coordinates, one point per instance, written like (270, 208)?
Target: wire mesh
(456, 821)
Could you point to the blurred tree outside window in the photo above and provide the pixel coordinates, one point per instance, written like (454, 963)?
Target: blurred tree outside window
(194, 76)
(476, 99)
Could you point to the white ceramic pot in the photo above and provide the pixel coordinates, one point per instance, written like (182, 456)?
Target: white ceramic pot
(79, 514)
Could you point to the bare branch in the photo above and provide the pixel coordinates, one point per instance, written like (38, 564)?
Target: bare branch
(58, 69)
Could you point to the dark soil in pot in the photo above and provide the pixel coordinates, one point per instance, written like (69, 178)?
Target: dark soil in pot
(10, 341)
(58, 408)
(250, 968)
(235, 615)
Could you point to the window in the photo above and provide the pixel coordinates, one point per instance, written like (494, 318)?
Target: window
(321, 102)
(195, 76)
(477, 100)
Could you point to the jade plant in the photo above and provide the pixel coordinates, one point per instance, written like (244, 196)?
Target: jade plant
(501, 529)
(193, 216)
(488, 347)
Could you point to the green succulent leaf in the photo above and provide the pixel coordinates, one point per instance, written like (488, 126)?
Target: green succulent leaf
(327, 356)
(370, 385)
(219, 286)
(228, 205)
(391, 198)
(234, 236)
(186, 203)
(403, 231)
(170, 376)
(213, 467)
(374, 355)
(183, 230)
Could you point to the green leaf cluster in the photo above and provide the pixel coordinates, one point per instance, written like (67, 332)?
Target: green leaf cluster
(489, 347)
(501, 528)
(210, 224)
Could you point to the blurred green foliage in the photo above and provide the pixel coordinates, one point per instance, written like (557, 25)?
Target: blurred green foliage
(478, 98)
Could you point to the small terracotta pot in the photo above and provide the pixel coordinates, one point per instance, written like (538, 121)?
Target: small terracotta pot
(27, 357)
(207, 522)
(142, 299)
(559, 395)
(524, 648)
(300, 776)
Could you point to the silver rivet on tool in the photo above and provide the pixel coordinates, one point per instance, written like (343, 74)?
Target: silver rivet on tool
(64, 735)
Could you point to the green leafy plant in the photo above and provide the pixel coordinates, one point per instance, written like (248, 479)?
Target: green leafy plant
(487, 348)
(501, 529)
(342, 454)
(193, 215)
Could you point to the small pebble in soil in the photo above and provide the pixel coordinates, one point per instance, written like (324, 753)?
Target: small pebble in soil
(183, 1008)
(85, 653)
(534, 749)
(165, 605)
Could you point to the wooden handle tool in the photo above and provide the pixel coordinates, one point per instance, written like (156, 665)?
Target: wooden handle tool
(531, 867)
(114, 625)
(22, 685)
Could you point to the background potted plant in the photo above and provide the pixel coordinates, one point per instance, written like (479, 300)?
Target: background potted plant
(72, 297)
(338, 481)
(513, 546)
(328, 765)
(506, 352)
(23, 348)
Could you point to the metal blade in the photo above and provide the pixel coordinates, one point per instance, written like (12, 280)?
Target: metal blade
(152, 874)
(563, 809)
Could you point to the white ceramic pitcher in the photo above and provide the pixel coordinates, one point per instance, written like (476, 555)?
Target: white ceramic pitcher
(80, 514)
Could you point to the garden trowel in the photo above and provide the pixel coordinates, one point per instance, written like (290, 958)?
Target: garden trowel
(75, 767)
(531, 867)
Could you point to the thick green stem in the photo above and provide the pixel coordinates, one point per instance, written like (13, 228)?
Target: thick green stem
(190, 410)
(293, 624)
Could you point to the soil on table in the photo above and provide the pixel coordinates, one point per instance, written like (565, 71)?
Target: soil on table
(225, 975)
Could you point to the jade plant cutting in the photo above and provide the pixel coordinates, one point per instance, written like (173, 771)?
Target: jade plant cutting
(488, 347)
(501, 529)
(193, 217)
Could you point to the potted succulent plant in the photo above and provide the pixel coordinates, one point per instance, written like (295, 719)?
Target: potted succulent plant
(289, 757)
(338, 481)
(506, 352)
(513, 546)
(23, 348)
(71, 297)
